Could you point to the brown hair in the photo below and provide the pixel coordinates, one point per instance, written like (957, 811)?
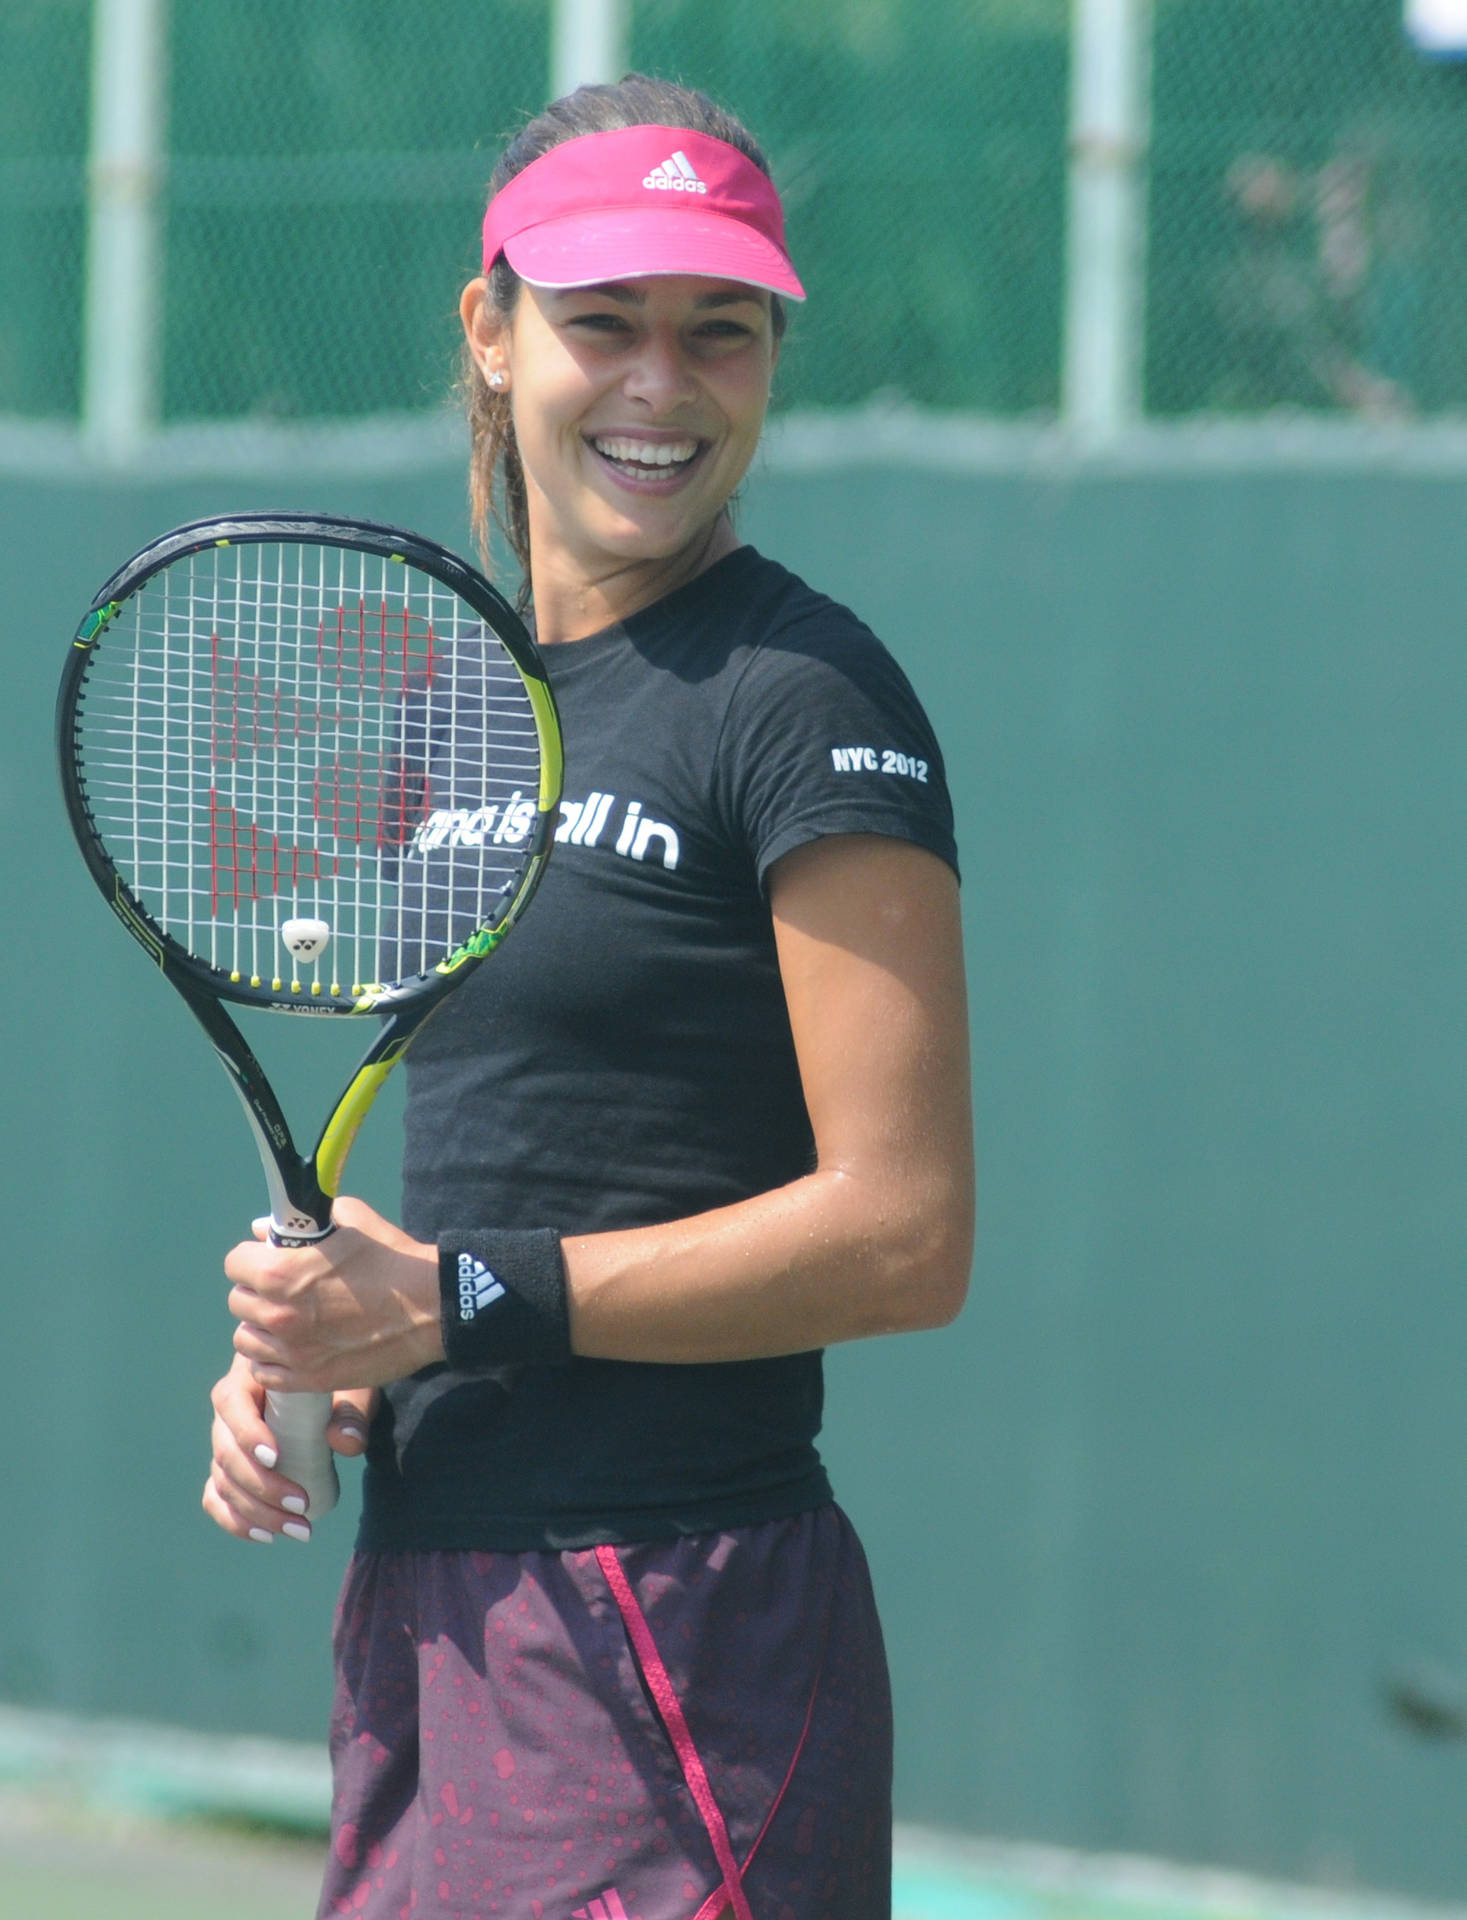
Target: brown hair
(496, 478)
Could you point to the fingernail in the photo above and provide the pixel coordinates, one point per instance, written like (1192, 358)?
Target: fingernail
(349, 1432)
(259, 1533)
(267, 1456)
(297, 1529)
(293, 1503)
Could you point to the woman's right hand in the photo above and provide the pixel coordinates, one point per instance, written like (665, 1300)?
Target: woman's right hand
(243, 1493)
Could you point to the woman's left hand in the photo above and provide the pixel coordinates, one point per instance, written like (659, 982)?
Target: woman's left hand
(357, 1309)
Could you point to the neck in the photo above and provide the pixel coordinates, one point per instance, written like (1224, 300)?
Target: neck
(570, 603)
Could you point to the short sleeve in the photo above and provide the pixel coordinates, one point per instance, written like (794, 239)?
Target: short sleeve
(824, 735)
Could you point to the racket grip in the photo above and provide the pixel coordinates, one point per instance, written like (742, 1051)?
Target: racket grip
(299, 1422)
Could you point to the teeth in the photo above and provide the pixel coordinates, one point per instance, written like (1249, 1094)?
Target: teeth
(646, 453)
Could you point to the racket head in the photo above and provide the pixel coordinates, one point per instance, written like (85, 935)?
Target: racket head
(285, 725)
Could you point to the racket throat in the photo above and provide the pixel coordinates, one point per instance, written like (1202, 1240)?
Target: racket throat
(300, 1208)
(300, 1212)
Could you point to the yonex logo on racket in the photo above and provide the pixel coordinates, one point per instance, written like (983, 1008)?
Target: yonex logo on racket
(477, 1287)
(675, 176)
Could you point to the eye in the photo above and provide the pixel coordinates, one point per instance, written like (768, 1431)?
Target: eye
(723, 335)
(600, 322)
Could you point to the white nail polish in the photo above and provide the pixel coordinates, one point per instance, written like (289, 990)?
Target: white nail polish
(297, 1529)
(267, 1456)
(259, 1533)
(293, 1503)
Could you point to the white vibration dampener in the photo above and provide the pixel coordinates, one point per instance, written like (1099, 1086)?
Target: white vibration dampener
(305, 939)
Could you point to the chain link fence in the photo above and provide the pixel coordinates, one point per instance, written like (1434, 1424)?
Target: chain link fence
(43, 140)
(1306, 230)
(1308, 212)
(921, 153)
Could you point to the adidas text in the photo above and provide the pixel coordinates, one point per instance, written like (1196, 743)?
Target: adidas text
(675, 176)
(477, 1287)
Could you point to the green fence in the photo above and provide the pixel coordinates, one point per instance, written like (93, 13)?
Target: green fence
(1168, 1530)
(1308, 239)
(1307, 235)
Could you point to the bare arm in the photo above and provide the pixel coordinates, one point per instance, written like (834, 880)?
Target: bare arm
(876, 1239)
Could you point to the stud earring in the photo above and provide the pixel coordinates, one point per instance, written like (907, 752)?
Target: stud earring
(496, 380)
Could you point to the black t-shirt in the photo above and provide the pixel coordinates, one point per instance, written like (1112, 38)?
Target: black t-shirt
(626, 1059)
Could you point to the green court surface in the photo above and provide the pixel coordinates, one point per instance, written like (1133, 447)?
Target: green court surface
(68, 1862)
(947, 1877)
(124, 1821)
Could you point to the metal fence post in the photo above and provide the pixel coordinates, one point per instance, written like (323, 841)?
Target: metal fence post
(1105, 263)
(588, 42)
(128, 143)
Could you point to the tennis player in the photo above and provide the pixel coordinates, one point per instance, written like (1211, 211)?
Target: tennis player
(607, 1650)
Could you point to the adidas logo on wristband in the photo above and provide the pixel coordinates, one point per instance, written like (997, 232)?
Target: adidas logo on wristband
(522, 1319)
(477, 1287)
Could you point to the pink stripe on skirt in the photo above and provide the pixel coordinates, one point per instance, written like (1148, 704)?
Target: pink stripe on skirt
(669, 1731)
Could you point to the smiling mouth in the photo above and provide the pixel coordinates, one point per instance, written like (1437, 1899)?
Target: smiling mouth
(646, 459)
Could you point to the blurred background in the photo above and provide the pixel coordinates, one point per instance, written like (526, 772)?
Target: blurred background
(314, 178)
(1130, 407)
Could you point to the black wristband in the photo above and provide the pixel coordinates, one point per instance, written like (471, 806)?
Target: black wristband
(502, 1299)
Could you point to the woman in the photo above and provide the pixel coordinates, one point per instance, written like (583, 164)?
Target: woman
(607, 1648)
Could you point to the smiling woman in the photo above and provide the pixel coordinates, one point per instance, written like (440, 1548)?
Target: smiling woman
(607, 1647)
(637, 407)
(527, 222)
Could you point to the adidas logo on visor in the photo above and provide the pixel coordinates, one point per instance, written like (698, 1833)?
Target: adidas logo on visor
(675, 176)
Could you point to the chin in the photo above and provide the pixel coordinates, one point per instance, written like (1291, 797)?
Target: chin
(636, 541)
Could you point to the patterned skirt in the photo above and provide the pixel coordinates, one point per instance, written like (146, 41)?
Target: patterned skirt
(672, 1730)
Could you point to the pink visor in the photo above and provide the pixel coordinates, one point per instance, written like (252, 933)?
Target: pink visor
(641, 200)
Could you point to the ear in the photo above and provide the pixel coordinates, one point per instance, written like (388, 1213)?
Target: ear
(484, 329)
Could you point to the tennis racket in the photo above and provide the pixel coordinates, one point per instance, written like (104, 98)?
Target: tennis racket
(314, 766)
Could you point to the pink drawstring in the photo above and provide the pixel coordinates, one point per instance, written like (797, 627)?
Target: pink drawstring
(710, 1907)
(670, 1708)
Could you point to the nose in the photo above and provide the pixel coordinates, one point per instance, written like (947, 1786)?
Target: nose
(660, 373)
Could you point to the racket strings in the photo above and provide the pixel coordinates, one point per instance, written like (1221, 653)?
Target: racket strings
(272, 735)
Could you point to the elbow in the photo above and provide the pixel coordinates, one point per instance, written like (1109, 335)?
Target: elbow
(942, 1289)
(927, 1273)
(947, 1263)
